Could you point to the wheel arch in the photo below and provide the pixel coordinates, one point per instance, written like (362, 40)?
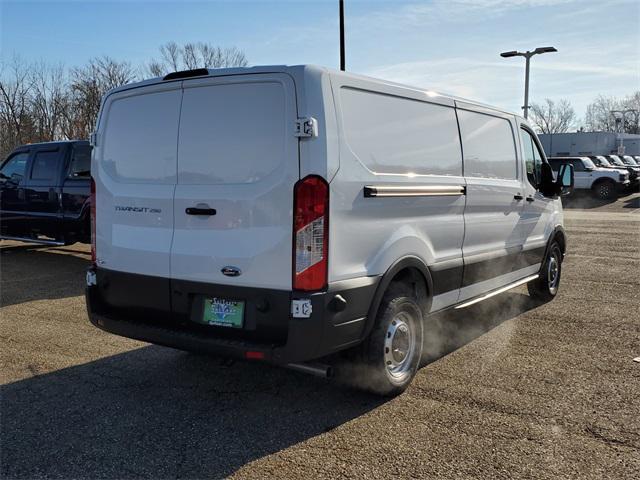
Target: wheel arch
(558, 235)
(409, 269)
(601, 180)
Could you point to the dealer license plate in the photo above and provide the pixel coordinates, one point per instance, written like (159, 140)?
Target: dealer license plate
(223, 313)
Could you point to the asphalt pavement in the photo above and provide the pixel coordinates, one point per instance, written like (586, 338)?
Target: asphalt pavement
(511, 389)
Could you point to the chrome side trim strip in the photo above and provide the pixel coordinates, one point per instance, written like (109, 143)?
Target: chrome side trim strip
(497, 292)
(413, 190)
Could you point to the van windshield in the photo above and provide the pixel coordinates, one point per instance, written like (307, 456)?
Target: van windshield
(588, 164)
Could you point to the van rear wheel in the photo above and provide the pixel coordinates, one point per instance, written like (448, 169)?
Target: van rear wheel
(545, 287)
(389, 358)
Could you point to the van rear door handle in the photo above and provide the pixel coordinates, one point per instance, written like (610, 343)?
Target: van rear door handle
(530, 199)
(200, 211)
(518, 197)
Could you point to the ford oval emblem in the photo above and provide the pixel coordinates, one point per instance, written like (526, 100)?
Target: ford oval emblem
(231, 271)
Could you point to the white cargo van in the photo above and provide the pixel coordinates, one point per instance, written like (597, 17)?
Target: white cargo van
(285, 214)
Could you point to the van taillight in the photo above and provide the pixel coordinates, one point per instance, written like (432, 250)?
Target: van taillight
(311, 232)
(92, 214)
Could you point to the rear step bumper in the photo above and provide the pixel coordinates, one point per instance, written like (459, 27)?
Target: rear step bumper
(333, 325)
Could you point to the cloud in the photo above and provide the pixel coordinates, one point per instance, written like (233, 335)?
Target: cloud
(419, 15)
(500, 83)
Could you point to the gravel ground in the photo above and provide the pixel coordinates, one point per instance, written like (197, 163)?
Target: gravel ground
(519, 390)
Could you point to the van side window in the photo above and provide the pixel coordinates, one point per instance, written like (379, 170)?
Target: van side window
(45, 165)
(488, 146)
(81, 162)
(16, 165)
(532, 158)
(398, 135)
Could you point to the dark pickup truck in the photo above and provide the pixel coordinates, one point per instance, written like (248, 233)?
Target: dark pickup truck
(45, 193)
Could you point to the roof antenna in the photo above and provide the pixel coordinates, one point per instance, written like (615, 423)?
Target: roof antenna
(342, 35)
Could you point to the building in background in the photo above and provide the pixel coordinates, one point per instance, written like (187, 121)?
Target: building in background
(589, 143)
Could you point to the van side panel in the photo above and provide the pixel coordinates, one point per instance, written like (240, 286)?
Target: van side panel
(134, 165)
(392, 137)
(494, 228)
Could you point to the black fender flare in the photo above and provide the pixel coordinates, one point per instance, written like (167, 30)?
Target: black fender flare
(401, 264)
(557, 233)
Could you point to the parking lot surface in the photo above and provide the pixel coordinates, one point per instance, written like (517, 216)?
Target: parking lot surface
(519, 390)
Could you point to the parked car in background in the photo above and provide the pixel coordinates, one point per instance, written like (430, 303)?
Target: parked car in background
(45, 193)
(601, 161)
(338, 221)
(603, 183)
(634, 172)
(629, 161)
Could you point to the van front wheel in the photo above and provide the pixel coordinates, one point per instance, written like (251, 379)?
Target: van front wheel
(389, 358)
(545, 287)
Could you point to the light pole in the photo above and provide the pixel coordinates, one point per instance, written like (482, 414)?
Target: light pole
(341, 5)
(527, 55)
(620, 121)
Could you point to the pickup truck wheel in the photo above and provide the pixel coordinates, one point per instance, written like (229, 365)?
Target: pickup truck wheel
(605, 190)
(389, 358)
(545, 287)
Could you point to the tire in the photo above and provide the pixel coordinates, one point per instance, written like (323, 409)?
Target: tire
(604, 190)
(388, 359)
(545, 287)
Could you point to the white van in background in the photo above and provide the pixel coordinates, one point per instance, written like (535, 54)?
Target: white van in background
(288, 213)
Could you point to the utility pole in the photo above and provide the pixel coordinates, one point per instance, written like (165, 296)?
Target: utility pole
(527, 55)
(342, 59)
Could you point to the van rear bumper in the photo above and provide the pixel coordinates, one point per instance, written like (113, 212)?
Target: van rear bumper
(119, 303)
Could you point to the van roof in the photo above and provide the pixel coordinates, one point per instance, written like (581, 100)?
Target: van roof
(293, 69)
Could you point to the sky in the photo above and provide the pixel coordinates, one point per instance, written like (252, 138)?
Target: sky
(451, 46)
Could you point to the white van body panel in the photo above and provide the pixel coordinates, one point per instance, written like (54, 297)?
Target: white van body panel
(248, 182)
(134, 165)
(386, 134)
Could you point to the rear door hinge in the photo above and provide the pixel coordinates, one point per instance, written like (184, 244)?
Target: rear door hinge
(306, 127)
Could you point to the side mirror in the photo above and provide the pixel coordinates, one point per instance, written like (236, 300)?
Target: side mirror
(15, 178)
(564, 182)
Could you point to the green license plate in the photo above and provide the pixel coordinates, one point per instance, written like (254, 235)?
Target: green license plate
(223, 313)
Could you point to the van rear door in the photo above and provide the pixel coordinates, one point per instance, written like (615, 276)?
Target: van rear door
(237, 165)
(135, 169)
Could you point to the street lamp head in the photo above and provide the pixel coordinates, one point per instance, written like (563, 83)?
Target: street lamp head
(545, 50)
(512, 53)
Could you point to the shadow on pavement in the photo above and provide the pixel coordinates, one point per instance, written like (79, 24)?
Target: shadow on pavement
(159, 413)
(453, 329)
(585, 201)
(632, 202)
(37, 272)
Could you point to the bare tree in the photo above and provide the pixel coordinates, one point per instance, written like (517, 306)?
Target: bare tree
(16, 123)
(600, 119)
(552, 117)
(189, 56)
(89, 84)
(49, 100)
